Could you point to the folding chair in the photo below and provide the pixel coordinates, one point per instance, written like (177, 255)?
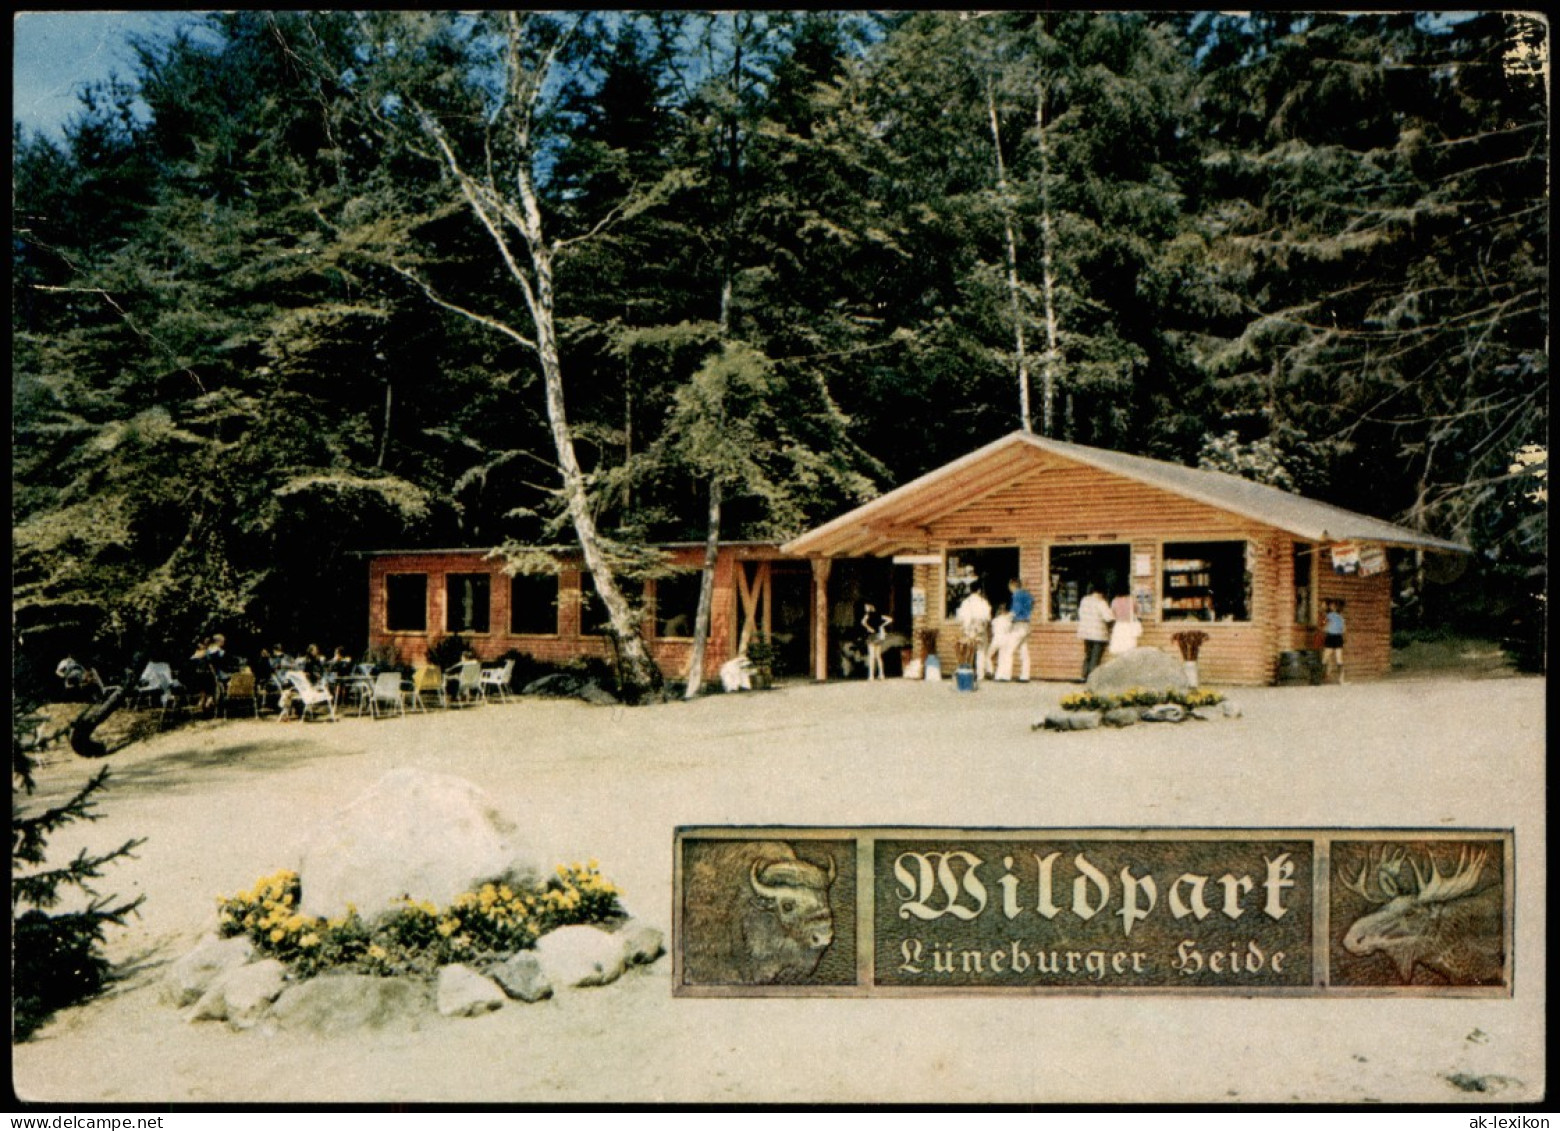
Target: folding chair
(466, 677)
(427, 680)
(386, 693)
(497, 679)
(310, 696)
(241, 688)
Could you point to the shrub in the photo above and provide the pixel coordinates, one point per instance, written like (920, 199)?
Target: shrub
(56, 957)
(416, 937)
(445, 652)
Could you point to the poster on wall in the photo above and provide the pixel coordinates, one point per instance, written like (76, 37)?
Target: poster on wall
(1346, 558)
(1372, 560)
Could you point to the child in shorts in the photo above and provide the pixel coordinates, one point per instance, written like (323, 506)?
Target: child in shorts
(1332, 637)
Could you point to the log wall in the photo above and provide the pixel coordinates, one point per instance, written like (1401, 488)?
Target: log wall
(1059, 503)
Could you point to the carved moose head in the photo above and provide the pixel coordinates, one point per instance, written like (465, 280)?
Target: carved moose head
(1432, 919)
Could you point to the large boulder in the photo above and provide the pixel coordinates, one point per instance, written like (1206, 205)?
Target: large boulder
(1147, 669)
(415, 833)
(344, 1003)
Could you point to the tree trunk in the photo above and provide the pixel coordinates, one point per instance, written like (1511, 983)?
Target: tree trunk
(81, 740)
(701, 620)
(1014, 292)
(640, 675)
(1047, 274)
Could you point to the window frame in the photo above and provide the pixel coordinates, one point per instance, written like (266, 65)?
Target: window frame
(557, 603)
(1248, 579)
(1049, 596)
(396, 575)
(998, 598)
(697, 577)
(450, 627)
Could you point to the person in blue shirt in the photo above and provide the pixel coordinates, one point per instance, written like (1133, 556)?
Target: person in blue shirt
(1332, 636)
(1021, 607)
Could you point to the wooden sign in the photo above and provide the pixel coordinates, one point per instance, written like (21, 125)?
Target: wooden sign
(886, 912)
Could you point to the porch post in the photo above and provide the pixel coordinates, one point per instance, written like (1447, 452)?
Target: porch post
(820, 645)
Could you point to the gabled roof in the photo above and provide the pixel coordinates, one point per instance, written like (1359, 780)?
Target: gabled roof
(881, 526)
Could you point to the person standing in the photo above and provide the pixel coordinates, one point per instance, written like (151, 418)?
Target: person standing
(876, 626)
(1094, 621)
(1127, 628)
(974, 617)
(1332, 637)
(1021, 607)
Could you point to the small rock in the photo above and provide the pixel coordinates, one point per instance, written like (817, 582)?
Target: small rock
(1073, 720)
(1231, 710)
(559, 685)
(1207, 714)
(344, 1003)
(520, 975)
(642, 943)
(1121, 717)
(240, 996)
(462, 992)
(191, 976)
(581, 955)
(597, 695)
(1165, 713)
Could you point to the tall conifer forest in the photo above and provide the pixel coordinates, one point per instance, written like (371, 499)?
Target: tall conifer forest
(309, 284)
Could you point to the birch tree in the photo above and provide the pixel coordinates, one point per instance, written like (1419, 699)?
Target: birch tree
(471, 95)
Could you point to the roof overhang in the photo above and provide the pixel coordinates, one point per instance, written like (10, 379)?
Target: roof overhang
(899, 520)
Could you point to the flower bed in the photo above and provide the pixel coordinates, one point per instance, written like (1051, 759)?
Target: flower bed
(491, 922)
(1139, 697)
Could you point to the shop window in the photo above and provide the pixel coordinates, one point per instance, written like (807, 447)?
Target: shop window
(1305, 604)
(1207, 581)
(533, 604)
(985, 570)
(1074, 570)
(467, 602)
(677, 604)
(406, 602)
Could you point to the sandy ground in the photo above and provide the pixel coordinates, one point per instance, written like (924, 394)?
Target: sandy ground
(224, 803)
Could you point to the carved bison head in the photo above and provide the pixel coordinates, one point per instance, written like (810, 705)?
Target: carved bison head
(798, 893)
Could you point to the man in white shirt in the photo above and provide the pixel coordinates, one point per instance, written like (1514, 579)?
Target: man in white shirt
(974, 617)
(1094, 620)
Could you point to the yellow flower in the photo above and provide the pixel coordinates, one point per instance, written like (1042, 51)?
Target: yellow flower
(310, 939)
(505, 894)
(277, 935)
(448, 927)
(377, 952)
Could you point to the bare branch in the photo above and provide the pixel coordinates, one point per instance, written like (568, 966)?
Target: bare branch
(476, 316)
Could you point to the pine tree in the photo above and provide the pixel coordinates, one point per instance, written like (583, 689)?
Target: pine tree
(56, 955)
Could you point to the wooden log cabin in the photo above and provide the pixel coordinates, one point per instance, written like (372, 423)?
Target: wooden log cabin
(419, 596)
(1248, 564)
